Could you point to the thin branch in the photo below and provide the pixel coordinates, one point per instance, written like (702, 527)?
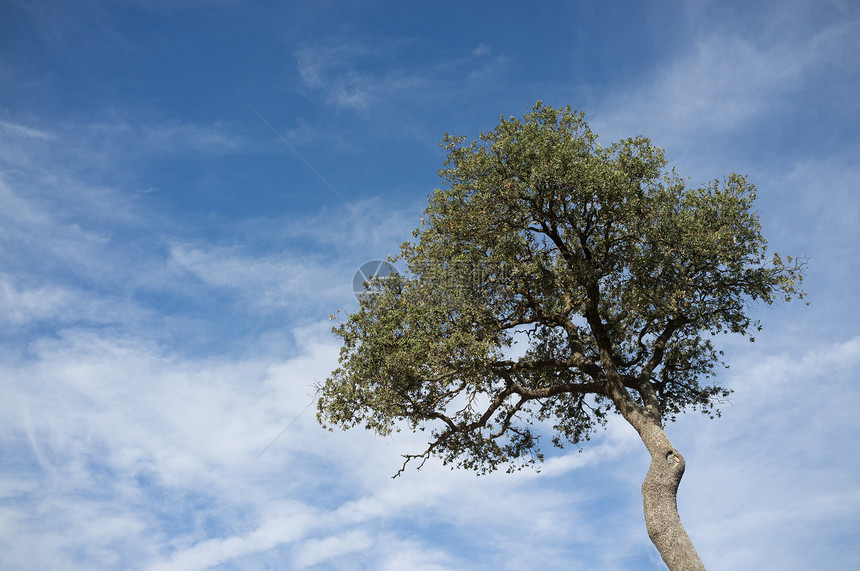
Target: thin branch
(506, 423)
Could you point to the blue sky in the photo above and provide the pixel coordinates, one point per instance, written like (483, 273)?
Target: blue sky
(168, 265)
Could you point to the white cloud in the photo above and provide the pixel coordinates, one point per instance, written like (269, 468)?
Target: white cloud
(69, 228)
(19, 305)
(153, 454)
(268, 282)
(167, 138)
(728, 80)
(316, 551)
(284, 528)
(125, 423)
(102, 252)
(406, 554)
(332, 70)
(361, 75)
(22, 130)
(118, 422)
(776, 478)
(481, 50)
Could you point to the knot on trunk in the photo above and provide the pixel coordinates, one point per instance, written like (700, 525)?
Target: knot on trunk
(674, 463)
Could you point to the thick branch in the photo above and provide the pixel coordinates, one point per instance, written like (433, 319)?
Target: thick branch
(649, 396)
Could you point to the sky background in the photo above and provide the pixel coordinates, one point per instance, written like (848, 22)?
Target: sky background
(168, 264)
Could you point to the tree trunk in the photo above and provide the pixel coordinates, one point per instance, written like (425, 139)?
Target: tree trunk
(659, 498)
(660, 488)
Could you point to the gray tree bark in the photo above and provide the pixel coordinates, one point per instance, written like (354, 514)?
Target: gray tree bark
(660, 502)
(660, 487)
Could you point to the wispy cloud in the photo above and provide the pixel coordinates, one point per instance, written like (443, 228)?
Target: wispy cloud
(726, 80)
(23, 130)
(62, 224)
(130, 425)
(340, 73)
(768, 470)
(124, 143)
(106, 256)
(268, 282)
(354, 74)
(149, 361)
(53, 151)
(141, 423)
(25, 304)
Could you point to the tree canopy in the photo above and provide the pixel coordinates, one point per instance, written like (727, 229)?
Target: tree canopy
(603, 263)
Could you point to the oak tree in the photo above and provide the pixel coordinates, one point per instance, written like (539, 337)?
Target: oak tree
(554, 282)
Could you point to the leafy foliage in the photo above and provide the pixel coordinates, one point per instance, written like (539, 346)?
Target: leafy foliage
(600, 260)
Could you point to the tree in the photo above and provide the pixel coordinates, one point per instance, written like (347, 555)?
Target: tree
(615, 275)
